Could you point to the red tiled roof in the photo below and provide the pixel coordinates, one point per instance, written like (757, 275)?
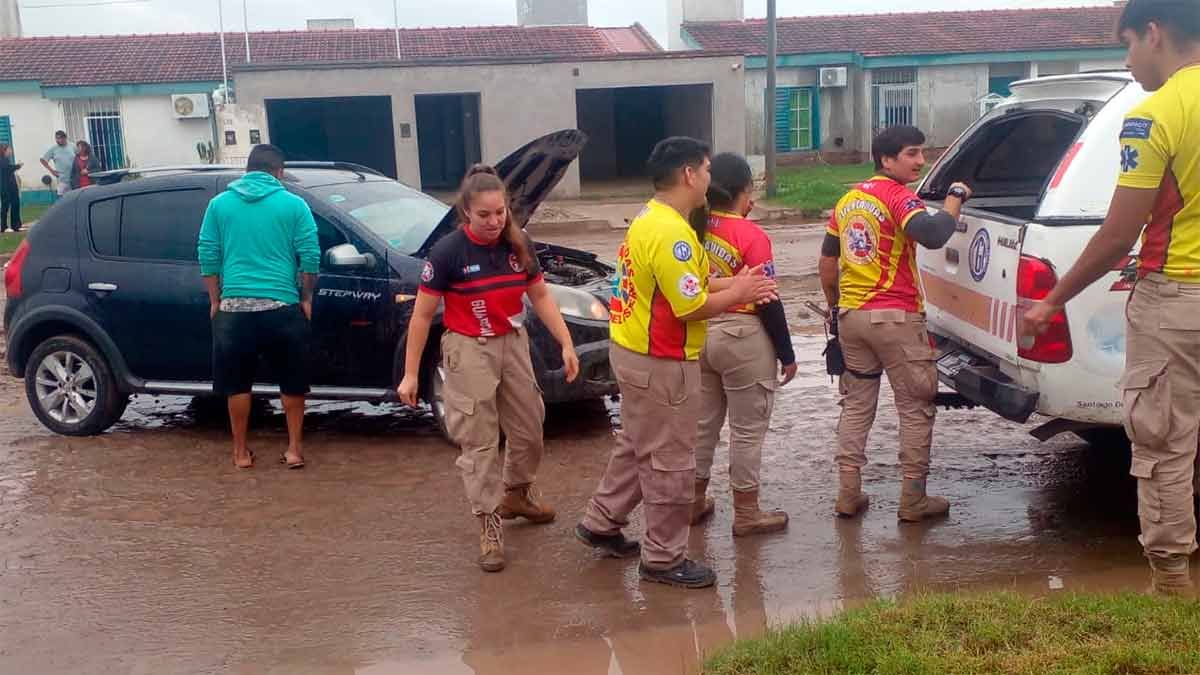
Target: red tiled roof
(632, 40)
(138, 59)
(920, 32)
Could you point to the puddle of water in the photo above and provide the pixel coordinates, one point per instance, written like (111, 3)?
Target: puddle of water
(142, 550)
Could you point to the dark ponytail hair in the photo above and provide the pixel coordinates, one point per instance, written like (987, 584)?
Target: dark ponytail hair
(483, 178)
(731, 176)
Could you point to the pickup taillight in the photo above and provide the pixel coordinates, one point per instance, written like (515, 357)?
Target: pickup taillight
(12, 271)
(1035, 280)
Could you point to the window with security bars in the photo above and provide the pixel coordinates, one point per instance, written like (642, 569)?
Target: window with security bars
(795, 119)
(894, 97)
(97, 121)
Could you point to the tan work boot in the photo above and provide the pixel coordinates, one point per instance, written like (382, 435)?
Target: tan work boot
(850, 500)
(916, 506)
(1170, 575)
(749, 520)
(702, 505)
(525, 502)
(491, 543)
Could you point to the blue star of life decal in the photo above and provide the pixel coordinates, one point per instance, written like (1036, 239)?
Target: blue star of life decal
(1129, 159)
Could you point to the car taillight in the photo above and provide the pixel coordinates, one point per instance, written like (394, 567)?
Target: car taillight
(1035, 280)
(12, 271)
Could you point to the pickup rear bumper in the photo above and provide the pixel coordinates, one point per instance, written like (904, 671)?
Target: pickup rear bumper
(980, 382)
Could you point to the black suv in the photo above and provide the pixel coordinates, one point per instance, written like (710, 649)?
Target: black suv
(105, 297)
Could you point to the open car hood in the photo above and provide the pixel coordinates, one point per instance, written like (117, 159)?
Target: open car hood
(529, 173)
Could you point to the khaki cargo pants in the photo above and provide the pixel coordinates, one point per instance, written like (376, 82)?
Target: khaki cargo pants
(892, 341)
(737, 377)
(490, 386)
(1161, 394)
(654, 459)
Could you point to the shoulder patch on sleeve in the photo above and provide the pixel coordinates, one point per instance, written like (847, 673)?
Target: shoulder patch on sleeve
(427, 273)
(689, 286)
(1137, 127)
(682, 251)
(913, 204)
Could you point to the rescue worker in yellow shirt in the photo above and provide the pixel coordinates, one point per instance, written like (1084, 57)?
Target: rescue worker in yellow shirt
(1160, 176)
(661, 299)
(868, 270)
(746, 346)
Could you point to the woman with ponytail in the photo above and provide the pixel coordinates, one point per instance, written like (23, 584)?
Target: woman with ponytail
(738, 364)
(482, 272)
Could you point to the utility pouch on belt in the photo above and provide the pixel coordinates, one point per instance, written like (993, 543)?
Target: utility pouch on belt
(835, 361)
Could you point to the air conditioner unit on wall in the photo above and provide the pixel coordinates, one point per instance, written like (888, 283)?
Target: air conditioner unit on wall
(833, 77)
(190, 106)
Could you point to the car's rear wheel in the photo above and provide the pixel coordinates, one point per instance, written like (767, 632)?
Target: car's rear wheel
(71, 387)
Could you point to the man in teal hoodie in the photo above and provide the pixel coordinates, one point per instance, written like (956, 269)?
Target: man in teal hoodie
(251, 239)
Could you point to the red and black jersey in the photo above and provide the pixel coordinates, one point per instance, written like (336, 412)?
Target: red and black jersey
(482, 284)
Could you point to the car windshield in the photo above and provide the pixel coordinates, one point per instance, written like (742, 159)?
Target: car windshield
(401, 216)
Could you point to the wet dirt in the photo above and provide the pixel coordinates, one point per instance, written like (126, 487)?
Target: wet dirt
(144, 551)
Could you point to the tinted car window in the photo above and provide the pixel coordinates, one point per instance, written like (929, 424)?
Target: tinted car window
(104, 221)
(328, 235)
(163, 225)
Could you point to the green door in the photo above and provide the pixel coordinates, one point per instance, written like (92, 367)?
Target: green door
(5, 129)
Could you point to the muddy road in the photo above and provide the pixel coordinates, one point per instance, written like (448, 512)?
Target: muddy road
(144, 551)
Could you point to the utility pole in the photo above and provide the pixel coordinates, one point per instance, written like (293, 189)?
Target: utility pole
(772, 40)
(224, 61)
(246, 28)
(396, 9)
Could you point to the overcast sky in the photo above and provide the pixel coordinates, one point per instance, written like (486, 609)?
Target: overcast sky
(80, 17)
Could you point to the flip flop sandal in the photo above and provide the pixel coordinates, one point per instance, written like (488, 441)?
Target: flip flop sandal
(250, 466)
(291, 465)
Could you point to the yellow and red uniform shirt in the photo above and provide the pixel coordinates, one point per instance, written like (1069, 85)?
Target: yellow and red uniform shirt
(733, 242)
(662, 274)
(878, 259)
(1160, 150)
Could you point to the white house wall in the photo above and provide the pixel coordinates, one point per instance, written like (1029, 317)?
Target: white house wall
(518, 102)
(948, 100)
(153, 137)
(152, 134)
(34, 121)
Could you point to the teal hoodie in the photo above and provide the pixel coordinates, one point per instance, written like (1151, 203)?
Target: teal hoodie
(253, 234)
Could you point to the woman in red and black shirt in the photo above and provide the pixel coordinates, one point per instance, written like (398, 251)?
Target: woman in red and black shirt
(482, 272)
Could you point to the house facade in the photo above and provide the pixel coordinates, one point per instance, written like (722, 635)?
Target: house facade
(842, 78)
(420, 105)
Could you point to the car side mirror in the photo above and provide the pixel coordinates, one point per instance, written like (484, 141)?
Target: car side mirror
(347, 256)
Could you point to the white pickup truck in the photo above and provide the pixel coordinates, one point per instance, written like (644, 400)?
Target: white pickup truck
(1043, 166)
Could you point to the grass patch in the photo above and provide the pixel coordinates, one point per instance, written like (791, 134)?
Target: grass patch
(983, 634)
(818, 187)
(9, 241)
(32, 212)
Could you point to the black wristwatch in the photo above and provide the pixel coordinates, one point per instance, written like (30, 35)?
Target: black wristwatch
(958, 191)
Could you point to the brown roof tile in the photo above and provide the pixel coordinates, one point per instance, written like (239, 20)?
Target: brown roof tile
(920, 32)
(138, 59)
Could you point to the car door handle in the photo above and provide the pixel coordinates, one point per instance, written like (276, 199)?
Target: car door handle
(102, 287)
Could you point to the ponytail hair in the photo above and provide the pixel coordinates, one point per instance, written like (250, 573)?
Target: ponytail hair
(483, 178)
(731, 176)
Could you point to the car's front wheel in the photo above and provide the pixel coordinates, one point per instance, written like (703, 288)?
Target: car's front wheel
(71, 387)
